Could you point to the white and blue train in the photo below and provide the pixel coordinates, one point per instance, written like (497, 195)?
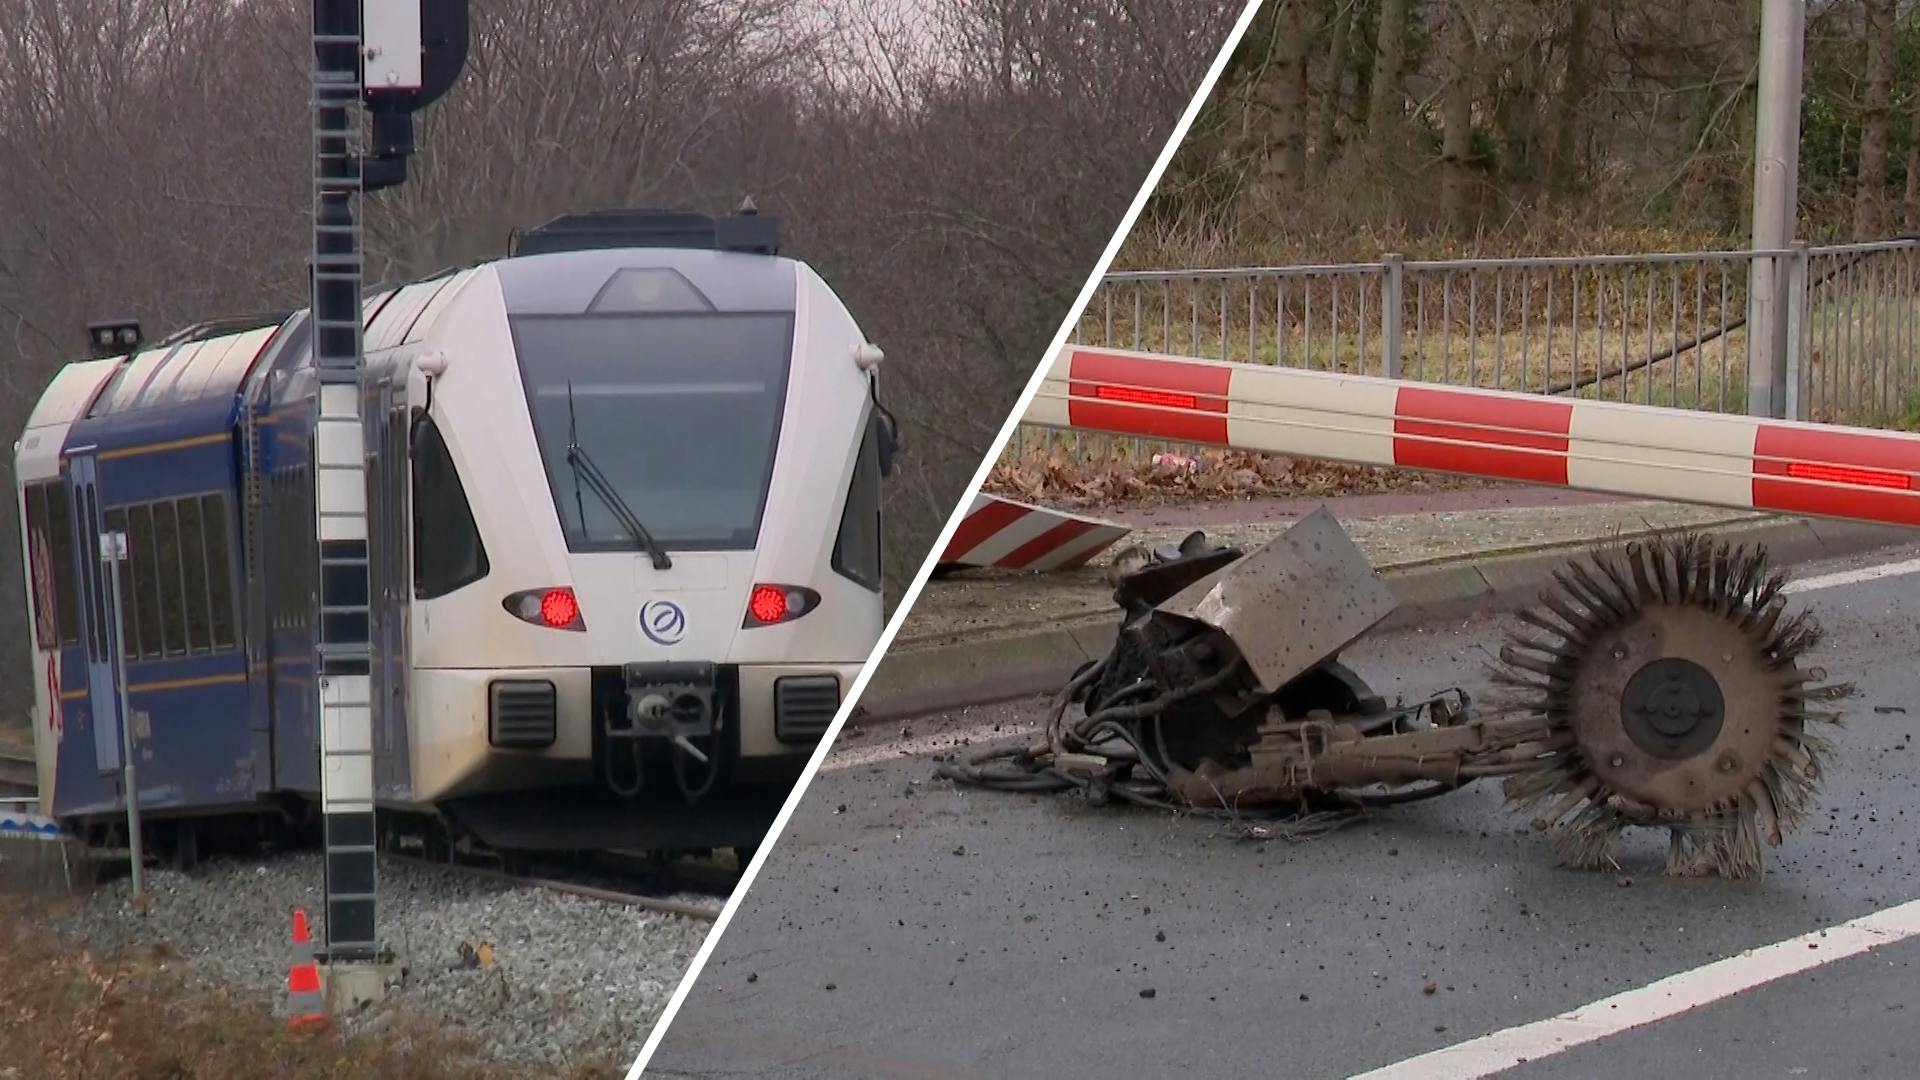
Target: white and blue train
(623, 504)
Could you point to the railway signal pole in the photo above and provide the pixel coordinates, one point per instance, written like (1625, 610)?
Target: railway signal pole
(395, 56)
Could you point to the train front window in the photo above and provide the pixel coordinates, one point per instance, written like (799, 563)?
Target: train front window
(681, 412)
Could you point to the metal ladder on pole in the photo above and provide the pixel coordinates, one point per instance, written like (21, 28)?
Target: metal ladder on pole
(342, 645)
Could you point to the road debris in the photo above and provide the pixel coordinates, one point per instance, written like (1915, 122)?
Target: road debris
(1658, 685)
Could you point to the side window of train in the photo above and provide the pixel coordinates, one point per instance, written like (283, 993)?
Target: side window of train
(96, 602)
(143, 618)
(217, 541)
(447, 552)
(167, 570)
(177, 591)
(115, 520)
(56, 609)
(856, 551)
(40, 566)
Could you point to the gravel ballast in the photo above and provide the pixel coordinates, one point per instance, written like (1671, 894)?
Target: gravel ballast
(571, 980)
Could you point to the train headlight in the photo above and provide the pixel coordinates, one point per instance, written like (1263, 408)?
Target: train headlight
(555, 609)
(770, 604)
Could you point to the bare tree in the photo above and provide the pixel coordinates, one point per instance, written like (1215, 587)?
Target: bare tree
(1870, 202)
(1388, 102)
(1571, 119)
(1282, 130)
(1456, 145)
(1566, 104)
(1339, 41)
(953, 168)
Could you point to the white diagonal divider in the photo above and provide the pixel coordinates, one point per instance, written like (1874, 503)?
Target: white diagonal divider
(940, 543)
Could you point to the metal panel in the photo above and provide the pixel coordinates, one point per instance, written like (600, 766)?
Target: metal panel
(803, 706)
(103, 691)
(522, 713)
(390, 37)
(69, 394)
(1295, 602)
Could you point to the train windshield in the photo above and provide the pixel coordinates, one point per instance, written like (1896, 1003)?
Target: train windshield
(681, 413)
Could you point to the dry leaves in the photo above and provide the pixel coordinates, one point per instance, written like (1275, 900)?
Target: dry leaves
(1058, 477)
(72, 1014)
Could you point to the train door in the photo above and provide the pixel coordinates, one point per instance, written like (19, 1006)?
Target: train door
(398, 588)
(373, 427)
(389, 554)
(255, 611)
(103, 689)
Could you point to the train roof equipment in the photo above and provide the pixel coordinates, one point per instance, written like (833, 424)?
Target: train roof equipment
(746, 232)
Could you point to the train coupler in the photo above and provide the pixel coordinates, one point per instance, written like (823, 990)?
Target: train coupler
(671, 701)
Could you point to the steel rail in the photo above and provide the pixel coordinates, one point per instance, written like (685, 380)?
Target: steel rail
(591, 892)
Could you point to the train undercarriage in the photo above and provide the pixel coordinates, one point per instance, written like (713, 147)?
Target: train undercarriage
(509, 836)
(666, 779)
(1657, 684)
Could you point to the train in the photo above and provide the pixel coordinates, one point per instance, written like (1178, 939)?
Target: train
(623, 494)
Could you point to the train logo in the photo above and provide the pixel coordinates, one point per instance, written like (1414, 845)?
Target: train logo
(663, 621)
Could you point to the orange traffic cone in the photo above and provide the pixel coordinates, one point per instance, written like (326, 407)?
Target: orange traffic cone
(306, 1006)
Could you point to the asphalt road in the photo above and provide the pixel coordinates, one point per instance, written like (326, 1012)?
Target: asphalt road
(908, 928)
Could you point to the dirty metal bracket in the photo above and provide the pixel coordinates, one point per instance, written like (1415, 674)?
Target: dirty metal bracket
(1292, 604)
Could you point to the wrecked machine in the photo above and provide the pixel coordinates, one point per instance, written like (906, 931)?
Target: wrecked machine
(1656, 684)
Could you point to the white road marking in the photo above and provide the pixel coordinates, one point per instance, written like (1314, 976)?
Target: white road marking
(1854, 577)
(1667, 998)
(963, 739)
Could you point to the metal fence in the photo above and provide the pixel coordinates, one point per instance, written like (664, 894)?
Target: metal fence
(1662, 329)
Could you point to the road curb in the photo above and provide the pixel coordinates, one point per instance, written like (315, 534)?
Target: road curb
(937, 676)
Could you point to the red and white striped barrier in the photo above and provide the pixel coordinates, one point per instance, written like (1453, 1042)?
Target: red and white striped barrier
(1008, 535)
(1638, 450)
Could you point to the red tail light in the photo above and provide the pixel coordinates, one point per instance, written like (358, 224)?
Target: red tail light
(555, 609)
(770, 604)
(558, 608)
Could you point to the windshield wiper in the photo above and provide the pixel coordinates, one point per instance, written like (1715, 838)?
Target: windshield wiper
(585, 469)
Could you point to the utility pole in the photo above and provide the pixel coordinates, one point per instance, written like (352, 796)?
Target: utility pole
(396, 56)
(1776, 175)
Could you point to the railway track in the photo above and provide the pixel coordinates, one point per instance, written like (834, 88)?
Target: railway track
(17, 777)
(616, 878)
(592, 883)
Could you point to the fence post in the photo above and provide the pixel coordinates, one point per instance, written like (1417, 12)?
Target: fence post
(1392, 290)
(1797, 301)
